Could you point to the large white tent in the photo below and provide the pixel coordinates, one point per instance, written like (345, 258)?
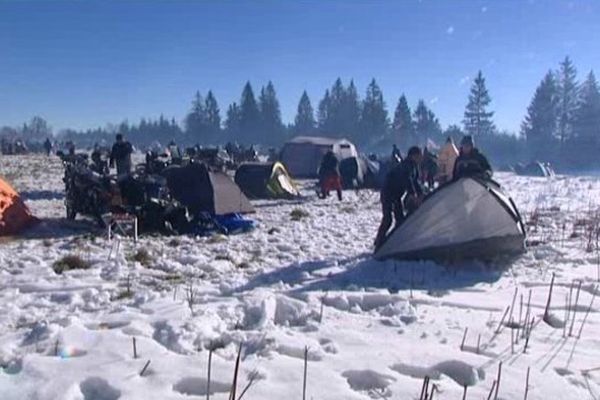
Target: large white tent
(464, 219)
(302, 155)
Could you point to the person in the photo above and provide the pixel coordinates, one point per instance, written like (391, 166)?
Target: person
(174, 152)
(470, 161)
(329, 175)
(121, 155)
(98, 165)
(396, 155)
(48, 146)
(71, 148)
(430, 167)
(401, 181)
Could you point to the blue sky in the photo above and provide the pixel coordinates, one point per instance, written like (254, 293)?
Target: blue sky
(85, 63)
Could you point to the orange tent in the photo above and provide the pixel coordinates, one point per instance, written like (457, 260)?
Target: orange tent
(14, 214)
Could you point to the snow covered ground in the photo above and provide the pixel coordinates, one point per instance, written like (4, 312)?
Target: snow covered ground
(373, 329)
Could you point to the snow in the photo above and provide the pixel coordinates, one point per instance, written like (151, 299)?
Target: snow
(372, 329)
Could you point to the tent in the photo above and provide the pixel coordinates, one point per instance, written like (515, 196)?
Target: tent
(446, 159)
(302, 155)
(535, 168)
(464, 219)
(265, 180)
(353, 171)
(14, 214)
(202, 190)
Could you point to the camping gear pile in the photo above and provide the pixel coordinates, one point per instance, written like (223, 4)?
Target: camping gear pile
(266, 181)
(178, 199)
(14, 214)
(464, 219)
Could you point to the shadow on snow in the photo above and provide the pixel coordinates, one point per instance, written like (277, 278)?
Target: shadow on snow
(363, 272)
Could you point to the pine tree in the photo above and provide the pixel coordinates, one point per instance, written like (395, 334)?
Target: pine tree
(324, 113)
(232, 121)
(195, 121)
(477, 120)
(339, 112)
(567, 99)
(374, 121)
(249, 116)
(304, 123)
(270, 115)
(427, 126)
(350, 115)
(213, 118)
(403, 129)
(453, 131)
(587, 120)
(539, 126)
(335, 113)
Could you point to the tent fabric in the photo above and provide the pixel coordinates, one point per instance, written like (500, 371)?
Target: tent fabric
(302, 155)
(467, 218)
(535, 168)
(265, 181)
(352, 172)
(202, 190)
(14, 214)
(446, 159)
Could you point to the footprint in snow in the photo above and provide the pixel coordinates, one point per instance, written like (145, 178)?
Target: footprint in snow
(369, 381)
(194, 386)
(96, 388)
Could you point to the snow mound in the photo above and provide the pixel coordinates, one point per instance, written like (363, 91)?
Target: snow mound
(277, 310)
(460, 372)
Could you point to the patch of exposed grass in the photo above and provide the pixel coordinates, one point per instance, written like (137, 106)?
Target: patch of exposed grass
(124, 294)
(175, 278)
(143, 256)
(70, 262)
(173, 242)
(298, 214)
(348, 209)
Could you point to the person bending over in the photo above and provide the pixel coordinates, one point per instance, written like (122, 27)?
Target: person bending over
(470, 161)
(401, 182)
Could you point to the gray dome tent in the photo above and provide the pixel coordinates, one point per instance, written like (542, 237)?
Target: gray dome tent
(464, 219)
(202, 190)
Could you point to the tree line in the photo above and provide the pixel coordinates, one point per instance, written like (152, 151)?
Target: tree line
(563, 119)
(562, 124)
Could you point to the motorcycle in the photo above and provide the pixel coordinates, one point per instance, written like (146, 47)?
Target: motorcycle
(86, 192)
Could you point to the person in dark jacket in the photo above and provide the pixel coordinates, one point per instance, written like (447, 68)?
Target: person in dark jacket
(121, 155)
(471, 162)
(48, 146)
(401, 181)
(429, 167)
(98, 165)
(329, 175)
(396, 155)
